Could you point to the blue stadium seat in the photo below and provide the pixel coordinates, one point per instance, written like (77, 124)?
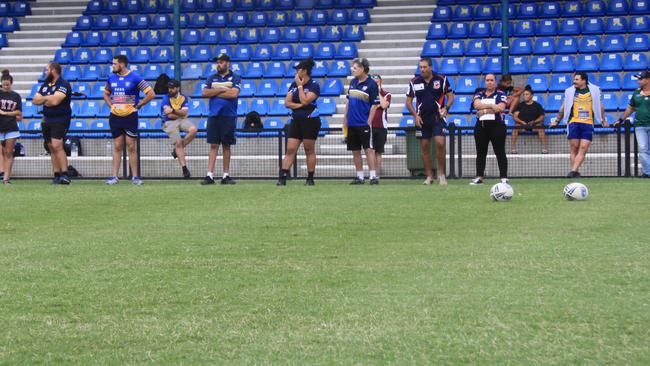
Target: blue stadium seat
(432, 48)
(569, 27)
(150, 38)
(338, 16)
(630, 81)
(278, 108)
(162, 54)
(192, 71)
(84, 22)
(152, 109)
(278, 19)
(484, 11)
(590, 44)
(189, 6)
(89, 108)
(638, 43)
(611, 62)
(639, 7)
(306, 4)
(201, 54)
(497, 29)
(131, 38)
(83, 88)
(262, 53)
(541, 65)
(284, 85)
(547, 27)
(407, 122)
(112, 39)
(617, 7)
(82, 56)
(495, 47)
(346, 50)
(550, 9)
(339, 68)
(135, 68)
(518, 65)
(284, 4)
(588, 63)
(35, 89)
(306, 51)
(437, 31)
(291, 35)
(332, 33)
(103, 22)
(267, 88)
(639, 24)
(624, 101)
(568, 45)
(441, 14)
(521, 46)
(616, 25)
(298, 18)
(237, 67)
(528, 11)
(311, 34)
(466, 85)
(276, 70)
(593, 26)
(332, 87)
(285, 52)
(554, 102)
(635, 61)
(480, 30)
(97, 91)
(610, 81)
(238, 19)
(258, 19)
(326, 106)
(246, 5)
(539, 83)
(247, 88)
(260, 106)
(113, 7)
(344, 4)
(595, 8)
(95, 7)
(318, 17)
(544, 46)
(254, 70)
(230, 36)
(210, 37)
(167, 37)
(122, 22)
(614, 43)
(94, 39)
(242, 53)
(190, 36)
(91, 73)
(462, 104)
(476, 47)
(492, 65)
(463, 13)
(559, 82)
(63, 56)
(450, 66)
(610, 101)
(206, 6)
(218, 20)
(150, 6)
(30, 111)
(472, 66)
(73, 39)
(563, 63)
(353, 33)
(525, 28)
(454, 48)
(572, 9)
(198, 90)
(325, 51)
(359, 16)
(270, 35)
(459, 30)
(161, 21)
(199, 21)
(126, 51)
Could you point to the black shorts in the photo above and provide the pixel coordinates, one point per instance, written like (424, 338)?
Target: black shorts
(127, 125)
(221, 130)
(54, 130)
(379, 136)
(431, 126)
(304, 128)
(359, 137)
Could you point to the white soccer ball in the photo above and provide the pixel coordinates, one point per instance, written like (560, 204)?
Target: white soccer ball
(576, 192)
(501, 192)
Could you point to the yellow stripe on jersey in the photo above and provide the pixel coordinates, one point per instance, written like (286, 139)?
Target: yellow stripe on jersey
(177, 102)
(227, 84)
(583, 109)
(358, 94)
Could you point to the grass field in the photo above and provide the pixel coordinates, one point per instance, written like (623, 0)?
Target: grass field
(176, 273)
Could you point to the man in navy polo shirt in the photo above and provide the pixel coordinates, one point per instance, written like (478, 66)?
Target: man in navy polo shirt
(360, 107)
(223, 90)
(54, 94)
(429, 90)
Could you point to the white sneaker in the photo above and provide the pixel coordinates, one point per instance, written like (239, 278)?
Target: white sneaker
(442, 180)
(476, 182)
(428, 181)
(505, 180)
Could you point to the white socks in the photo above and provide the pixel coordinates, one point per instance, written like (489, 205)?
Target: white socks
(360, 175)
(373, 174)
(210, 175)
(225, 175)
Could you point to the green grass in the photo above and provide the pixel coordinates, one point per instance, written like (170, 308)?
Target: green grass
(176, 273)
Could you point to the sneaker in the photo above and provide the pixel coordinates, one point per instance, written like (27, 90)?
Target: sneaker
(645, 176)
(281, 182)
(112, 181)
(55, 180)
(64, 179)
(573, 174)
(357, 181)
(442, 180)
(476, 182)
(310, 182)
(374, 181)
(137, 181)
(207, 180)
(174, 154)
(428, 181)
(186, 173)
(227, 180)
(6, 182)
(505, 180)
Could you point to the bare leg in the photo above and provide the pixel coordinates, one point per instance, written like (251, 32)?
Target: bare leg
(378, 162)
(212, 157)
(427, 160)
(513, 146)
(542, 138)
(133, 155)
(441, 155)
(356, 159)
(310, 151)
(583, 147)
(290, 156)
(55, 163)
(118, 146)
(191, 134)
(370, 157)
(58, 153)
(180, 153)
(226, 158)
(8, 158)
(574, 146)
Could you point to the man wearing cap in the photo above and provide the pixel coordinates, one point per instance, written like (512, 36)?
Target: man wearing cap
(380, 123)
(223, 90)
(640, 103)
(174, 117)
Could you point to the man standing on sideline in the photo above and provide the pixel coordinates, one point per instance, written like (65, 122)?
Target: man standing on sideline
(174, 116)
(54, 95)
(430, 90)
(582, 106)
(380, 123)
(640, 103)
(223, 90)
(122, 96)
(360, 108)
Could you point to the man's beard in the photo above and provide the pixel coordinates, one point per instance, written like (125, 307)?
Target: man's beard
(49, 78)
(116, 72)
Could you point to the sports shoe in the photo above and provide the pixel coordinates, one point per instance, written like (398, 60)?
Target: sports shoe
(281, 182)
(207, 180)
(55, 180)
(137, 181)
(186, 173)
(442, 180)
(357, 181)
(645, 176)
(573, 174)
(227, 180)
(112, 181)
(64, 179)
(310, 182)
(505, 180)
(428, 181)
(6, 182)
(476, 182)
(374, 181)
(174, 153)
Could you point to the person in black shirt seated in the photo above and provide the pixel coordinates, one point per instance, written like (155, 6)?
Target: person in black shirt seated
(513, 93)
(530, 115)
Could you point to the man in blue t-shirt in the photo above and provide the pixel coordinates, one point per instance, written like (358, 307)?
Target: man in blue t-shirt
(54, 95)
(223, 90)
(360, 107)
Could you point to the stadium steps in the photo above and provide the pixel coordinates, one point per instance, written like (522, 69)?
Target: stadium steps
(40, 35)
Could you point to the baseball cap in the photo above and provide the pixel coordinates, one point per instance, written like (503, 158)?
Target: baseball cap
(173, 83)
(643, 75)
(221, 56)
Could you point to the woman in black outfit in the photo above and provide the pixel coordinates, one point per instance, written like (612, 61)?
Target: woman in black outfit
(10, 113)
(490, 127)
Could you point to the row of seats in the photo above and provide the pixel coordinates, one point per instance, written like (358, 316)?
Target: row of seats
(223, 20)
(9, 24)
(550, 27)
(540, 46)
(188, 6)
(544, 64)
(197, 108)
(214, 36)
(281, 52)
(17, 9)
(3, 40)
(550, 9)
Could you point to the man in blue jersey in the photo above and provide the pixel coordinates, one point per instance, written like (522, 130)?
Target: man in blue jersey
(360, 108)
(122, 96)
(174, 113)
(54, 95)
(223, 90)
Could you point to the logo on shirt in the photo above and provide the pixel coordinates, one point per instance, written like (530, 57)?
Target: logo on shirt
(364, 88)
(417, 87)
(436, 84)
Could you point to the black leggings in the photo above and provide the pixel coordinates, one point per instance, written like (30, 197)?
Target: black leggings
(484, 133)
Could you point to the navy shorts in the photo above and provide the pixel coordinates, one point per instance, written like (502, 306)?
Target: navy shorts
(580, 131)
(54, 130)
(221, 130)
(359, 137)
(127, 125)
(431, 126)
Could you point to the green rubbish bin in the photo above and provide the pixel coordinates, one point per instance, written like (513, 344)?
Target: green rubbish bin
(414, 155)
